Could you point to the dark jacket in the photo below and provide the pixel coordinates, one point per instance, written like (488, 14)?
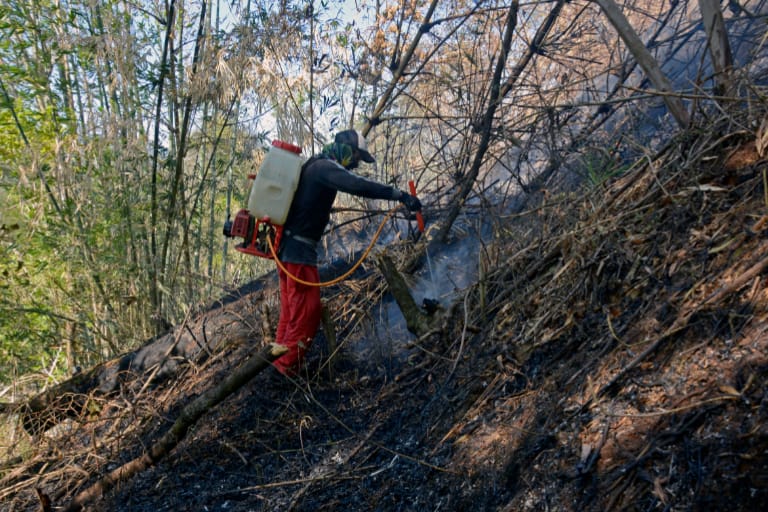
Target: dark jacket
(310, 210)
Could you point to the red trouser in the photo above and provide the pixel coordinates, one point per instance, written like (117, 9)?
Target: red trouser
(300, 314)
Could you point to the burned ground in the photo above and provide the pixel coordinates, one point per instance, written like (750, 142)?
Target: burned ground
(610, 356)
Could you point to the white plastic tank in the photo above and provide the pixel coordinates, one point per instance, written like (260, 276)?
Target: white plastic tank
(275, 183)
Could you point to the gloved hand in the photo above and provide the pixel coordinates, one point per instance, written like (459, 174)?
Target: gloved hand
(411, 202)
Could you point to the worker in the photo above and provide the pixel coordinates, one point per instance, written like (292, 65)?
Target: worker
(321, 177)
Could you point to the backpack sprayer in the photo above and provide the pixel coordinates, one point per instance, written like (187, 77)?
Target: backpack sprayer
(271, 194)
(261, 224)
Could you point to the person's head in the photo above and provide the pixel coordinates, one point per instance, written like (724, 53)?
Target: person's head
(357, 144)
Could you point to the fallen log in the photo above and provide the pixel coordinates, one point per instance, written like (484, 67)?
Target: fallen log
(151, 364)
(417, 322)
(231, 319)
(188, 417)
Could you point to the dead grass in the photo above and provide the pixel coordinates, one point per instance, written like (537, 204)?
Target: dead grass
(645, 315)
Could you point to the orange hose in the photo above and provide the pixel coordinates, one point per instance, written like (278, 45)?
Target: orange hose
(346, 274)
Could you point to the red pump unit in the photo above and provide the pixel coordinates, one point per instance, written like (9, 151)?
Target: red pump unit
(255, 232)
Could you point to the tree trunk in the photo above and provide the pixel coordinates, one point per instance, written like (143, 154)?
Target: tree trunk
(719, 47)
(397, 75)
(154, 263)
(646, 60)
(171, 222)
(486, 123)
(416, 321)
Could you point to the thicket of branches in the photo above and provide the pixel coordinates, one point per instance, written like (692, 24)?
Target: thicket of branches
(127, 129)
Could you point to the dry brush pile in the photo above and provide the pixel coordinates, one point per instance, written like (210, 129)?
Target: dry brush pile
(625, 342)
(96, 439)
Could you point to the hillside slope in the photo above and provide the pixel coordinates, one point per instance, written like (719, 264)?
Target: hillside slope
(612, 356)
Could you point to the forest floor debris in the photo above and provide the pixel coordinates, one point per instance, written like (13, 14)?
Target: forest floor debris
(615, 358)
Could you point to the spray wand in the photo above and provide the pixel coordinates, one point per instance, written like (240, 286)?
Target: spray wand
(419, 216)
